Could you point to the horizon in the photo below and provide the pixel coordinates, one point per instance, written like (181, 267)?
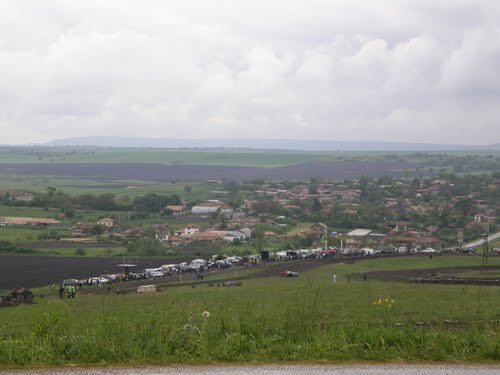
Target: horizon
(240, 143)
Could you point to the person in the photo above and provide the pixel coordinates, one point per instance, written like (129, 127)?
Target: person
(68, 291)
(334, 278)
(73, 291)
(61, 291)
(364, 277)
(430, 256)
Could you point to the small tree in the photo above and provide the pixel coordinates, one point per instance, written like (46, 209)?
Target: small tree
(80, 251)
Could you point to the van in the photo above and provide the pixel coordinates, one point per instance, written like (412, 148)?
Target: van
(147, 289)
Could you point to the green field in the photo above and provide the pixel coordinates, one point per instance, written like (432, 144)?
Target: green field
(25, 234)
(227, 157)
(129, 188)
(269, 319)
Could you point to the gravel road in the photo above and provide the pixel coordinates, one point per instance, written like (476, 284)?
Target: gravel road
(276, 369)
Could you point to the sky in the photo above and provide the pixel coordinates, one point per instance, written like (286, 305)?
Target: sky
(394, 70)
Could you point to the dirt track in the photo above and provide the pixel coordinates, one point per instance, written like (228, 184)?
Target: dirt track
(436, 275)
(161, 172)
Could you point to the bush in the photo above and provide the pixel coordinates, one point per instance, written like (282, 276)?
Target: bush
(80, 251)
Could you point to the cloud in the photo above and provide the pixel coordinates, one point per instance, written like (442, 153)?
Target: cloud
(346, 70)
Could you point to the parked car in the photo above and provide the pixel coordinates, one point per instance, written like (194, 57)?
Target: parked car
(97, 280)
(429, 250)
(289, 274)
(74, 282)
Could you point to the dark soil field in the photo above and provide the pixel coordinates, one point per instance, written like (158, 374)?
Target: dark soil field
(436, 276)
(53, 244)
(333, 170)
(36, 271)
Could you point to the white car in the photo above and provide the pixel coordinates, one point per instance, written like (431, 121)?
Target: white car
(429, 250)
(155, 274)
(97, 280)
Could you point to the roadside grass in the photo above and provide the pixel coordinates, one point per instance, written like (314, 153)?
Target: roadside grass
(274, 319)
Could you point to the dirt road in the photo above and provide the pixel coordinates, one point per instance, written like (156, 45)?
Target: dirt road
(278, 370)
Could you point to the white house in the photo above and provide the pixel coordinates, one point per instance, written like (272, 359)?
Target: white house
(106, 222)
(190, 229)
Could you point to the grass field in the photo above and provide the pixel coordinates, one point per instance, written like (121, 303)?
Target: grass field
(28, 211)
(269, 319)
(226, 157)
(200, 190)
(241, 158)
(25, 234)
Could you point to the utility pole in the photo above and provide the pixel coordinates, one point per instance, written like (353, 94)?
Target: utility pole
(326, 238)
(484, 266)
(460, 238)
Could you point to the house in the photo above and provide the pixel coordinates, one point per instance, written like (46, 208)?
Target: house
(483, 218)
(106, 222)
(5, 221)
(176, 210)
(269, 234)
(208, 236)
(20, 196)
(414, 241)
(312, 232)
(431, 229)
(133, 233)
(244, 222)
(319, 226)
(204, 210)
(482, 225)
(177, 241)
(190, 229)
(82, 231)
(163, 235)
(359, 233)
(247, 233)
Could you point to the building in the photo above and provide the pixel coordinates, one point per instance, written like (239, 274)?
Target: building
(5, 221)
(176, 210)
(163, 235)
(190, 229)
(479, 218)
(319, 226)
(20, 196)
(359, 233)
(106, 222)
(204, 210)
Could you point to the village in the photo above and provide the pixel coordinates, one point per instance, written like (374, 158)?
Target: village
(241, 218)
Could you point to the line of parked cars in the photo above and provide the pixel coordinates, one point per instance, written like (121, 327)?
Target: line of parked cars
(195, 266)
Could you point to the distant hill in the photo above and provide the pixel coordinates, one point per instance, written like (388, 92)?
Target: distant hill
(280, 144)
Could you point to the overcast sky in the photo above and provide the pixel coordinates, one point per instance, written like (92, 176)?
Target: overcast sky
(418, 71)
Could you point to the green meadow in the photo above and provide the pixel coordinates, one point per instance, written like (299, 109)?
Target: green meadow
(267, 319)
